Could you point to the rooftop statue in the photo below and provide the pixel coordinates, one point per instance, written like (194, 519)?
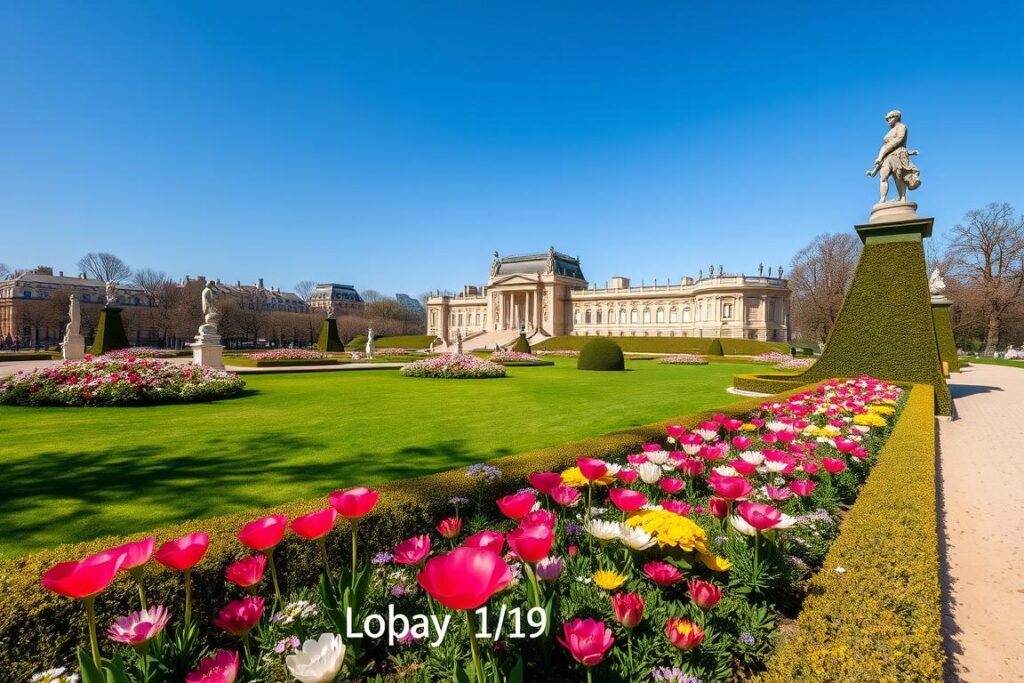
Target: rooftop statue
(936, 285)
(894, 160)
(111, 292)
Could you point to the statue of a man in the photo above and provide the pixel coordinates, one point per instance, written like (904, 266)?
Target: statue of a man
(74, 327)
(700, 273)
(111, 292)
(780, 271)
(760, 269)
(894, 160)
(211, 314)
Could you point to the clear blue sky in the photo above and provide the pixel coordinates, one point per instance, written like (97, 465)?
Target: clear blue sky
(395, 145)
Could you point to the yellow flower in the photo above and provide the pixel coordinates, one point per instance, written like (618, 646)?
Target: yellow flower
(882, 410)
(715, 563)
(574, 478)
(747, 427)
(869, 420)
(608, 580)
(670, 529)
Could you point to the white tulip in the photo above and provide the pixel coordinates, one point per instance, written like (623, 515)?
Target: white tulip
(604, 531)
(613, 469)
(706, 434)
(786, 521)
(319, 661)
(752, 457)
(726, 471)
(636, 538)
(649, 472)
(740, 525)
(657, 457)
(776, 426)
(774, 466)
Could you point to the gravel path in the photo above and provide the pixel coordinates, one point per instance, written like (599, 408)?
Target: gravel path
(981, 502)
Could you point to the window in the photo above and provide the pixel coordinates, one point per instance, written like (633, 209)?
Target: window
(478, 320)
(647, 316)
(673, 316)
(727, 310)
(27, 294)
(576, 317)
(659, 316)
(633, 316)
(686, 314)
(622, 316)
(587, 317)
(598, 314)
(460, 320)
(771, 309)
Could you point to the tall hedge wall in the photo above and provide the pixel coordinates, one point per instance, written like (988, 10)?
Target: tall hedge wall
(37, 627)
(707, 346)
(328, 341)
(944, 337)
(873, 611)
(885, 328)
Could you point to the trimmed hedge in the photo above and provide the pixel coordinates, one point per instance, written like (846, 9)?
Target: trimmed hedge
(110, 335)
(601, 354)
(29, 355)
(880, 618)
(750, 347)
(328, 341)
(704, 346)
(885, 328)
(766, 383)
(944, 337)
(521, 344)
(39, 629)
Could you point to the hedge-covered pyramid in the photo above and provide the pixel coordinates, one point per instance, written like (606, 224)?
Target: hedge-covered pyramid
(942, 315)
(329, 340)
(110, 334)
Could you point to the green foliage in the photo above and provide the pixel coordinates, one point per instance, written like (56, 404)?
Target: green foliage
(242, 362)
(28, 355)
(521, 344)
(329, 341)
(697, 345)
(770, 383)
(110, 334)
(601, 354)
(715, 348)
(887, 591)
(944, 337)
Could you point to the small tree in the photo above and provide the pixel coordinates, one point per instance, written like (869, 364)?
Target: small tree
(104, 266)
(820, 274)
(151, 281)
(304, 288)
(5, 272)
(371, 296)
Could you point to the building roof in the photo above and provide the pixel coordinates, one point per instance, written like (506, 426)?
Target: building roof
(335, 292)
(44, 278)
(550, 261)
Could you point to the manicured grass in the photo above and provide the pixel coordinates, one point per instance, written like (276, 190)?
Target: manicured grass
(72, 474)
(994, 361)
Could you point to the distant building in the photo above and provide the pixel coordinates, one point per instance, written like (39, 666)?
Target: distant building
(338, 299)
(546, 295)
(410, 304)
(257, 296)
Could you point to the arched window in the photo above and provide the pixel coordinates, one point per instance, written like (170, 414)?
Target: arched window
(726, 310)
(647, 316)
(673, 315)
(686, 314)
(576, 317)
(633, 316)
(659, 315)
(598, 318)
(587, 317)
(771, 310)
(622, 316)
(460, 320)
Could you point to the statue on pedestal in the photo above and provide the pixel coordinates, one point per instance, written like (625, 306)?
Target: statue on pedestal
(371, 346)
(211, 314)
(760, 269)
(894, 160)
(458, 342)
(111, 292)
(936, 285)
(780, 271)
(73, 344)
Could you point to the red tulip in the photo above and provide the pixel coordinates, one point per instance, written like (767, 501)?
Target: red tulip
(240, 616)
(741, 443)
(762, 516)
(743, 467)
(628, 608)
(247, 571)
(833, 466)
(732, 424)
(802, 487)
(719, 507)
(491, 540)
(413, 550)
(587, 640)
(683, 633)
(183, 553)
(136, 553)
(627, 500)
(315, 525)
(221, 667)
(671, 485)
(692, 468)
(844, 445)
(592, 468)
(263, 533)
(355, 502)
(450, 527)
(731, 488)
(85, 578)
(572, 550)
(705, 595)
(680, 507)
(545, 481)
(565, 495)
(662, 573)
(465, 578)
(542, 516)
(810, 467)
(516, 505)
(627, 476)
(532, 543)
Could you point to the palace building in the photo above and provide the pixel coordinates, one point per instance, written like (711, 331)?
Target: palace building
(546, 295)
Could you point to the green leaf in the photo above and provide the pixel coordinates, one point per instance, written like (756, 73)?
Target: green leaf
(89, 671)
(516, 674)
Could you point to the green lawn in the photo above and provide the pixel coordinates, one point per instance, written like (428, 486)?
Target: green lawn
(72, 474)
(995, 361)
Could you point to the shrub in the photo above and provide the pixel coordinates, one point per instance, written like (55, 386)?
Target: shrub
(736, 346)
(329, 340)
(521, 344)
(562, 353)
(881, 575)
(118, 382)
(683, 359)
(454, 366)
(601, 354)
(697, 345)
(944, 337)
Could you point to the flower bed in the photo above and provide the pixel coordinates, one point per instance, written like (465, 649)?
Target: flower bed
(771, 357)
(141, 352)
(675, 559)
(795, 364)
(564, 353)
(513, 357)
(454, 366)
(287, 354)
(684, 359)
(392, 351)
(108, 381)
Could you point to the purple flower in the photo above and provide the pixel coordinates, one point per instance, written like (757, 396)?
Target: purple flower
(382, 558)
(747, 638)
(398, 591)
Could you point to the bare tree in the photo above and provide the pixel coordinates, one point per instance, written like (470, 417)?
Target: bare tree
(820, 274)
(304, 288)
(5, 272)
(987, 252)
(104, 266)
(371, 296)
(151, 281)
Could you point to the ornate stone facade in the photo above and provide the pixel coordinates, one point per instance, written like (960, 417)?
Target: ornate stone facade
(546, 295)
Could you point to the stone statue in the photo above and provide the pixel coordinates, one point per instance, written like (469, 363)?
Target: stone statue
(111, 291)
(207, 349)
(711, 271)
(371, 345)
(700, 273)
(458, 342)
(894, 160)
(936, 285)
(73, 344)
(760, 269)
(550, 267)
(211, 314)
(720, 270)
(769, 271)
(780, 271)
(495, 263)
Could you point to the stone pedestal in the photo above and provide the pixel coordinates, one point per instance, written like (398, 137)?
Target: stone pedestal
(73, 347)
(208, 351)
(110, 335)
(893, 212)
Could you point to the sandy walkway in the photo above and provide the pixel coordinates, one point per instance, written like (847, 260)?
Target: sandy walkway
(981, 502)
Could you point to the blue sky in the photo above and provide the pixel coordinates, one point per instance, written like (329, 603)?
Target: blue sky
(396, 145)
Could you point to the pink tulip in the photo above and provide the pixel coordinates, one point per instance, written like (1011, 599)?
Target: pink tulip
(743, 467)
(810, 467)
(532, 543)
(704, 594)
(550, 568)
(859, 452)
(587, 640)
(183, 553)
(662, 573)
(627, 500)
(781, 493)
(671, 485)
(844, 445)
(692, 468)
(517, 505)
(627, 476)
(802, 487)
(757, 422)
(731, 488)
(761, 516)
(240, 616)
(719, 507)
(683, 633)
(545, 481)
(246, 572)
(675, 431)
(221, 667)
(679, 507)
(315, 525)
(732, 424)
(85, 578)
(833, 466)
(450, 527)
(465, 578)
(263, 533)
(139, 627)
(136, 553)
(491, 540)
(651, 447)
(565, 495)
(541, 516)
(355, 502)
(636, 458)
(592, 468)
(413, 551)
(628, 609)
(741, 443)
